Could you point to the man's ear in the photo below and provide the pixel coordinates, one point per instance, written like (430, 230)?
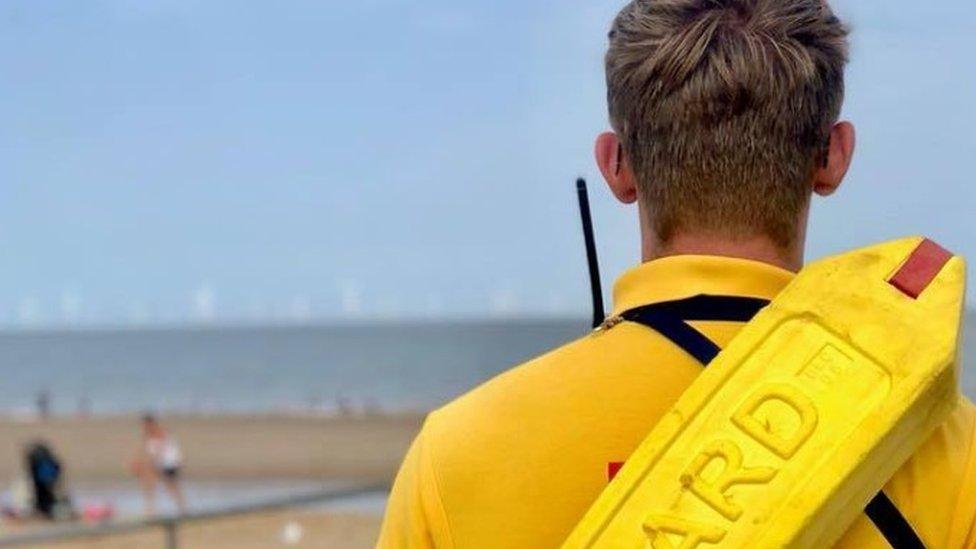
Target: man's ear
(615, 168)
(840, 152)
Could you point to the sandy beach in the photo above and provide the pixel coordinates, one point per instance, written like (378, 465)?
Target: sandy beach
(232, 449)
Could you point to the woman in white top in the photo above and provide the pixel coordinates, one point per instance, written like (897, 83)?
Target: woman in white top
(160, 459)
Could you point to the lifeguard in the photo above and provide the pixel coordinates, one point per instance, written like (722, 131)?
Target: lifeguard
(726, 124)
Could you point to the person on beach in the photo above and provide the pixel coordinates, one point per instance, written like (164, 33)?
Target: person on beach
(726, 124)
(46, 473)
(159, 459)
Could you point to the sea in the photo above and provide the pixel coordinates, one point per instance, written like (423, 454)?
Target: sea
(329, 368)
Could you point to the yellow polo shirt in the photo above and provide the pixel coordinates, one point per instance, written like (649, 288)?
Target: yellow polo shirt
(518, 461)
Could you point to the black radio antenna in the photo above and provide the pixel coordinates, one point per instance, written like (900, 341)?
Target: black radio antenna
(594, 265)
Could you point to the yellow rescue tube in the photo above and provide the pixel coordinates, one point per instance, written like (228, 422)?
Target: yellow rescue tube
(802, 419)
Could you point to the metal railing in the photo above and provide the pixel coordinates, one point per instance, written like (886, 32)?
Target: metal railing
(171, 524)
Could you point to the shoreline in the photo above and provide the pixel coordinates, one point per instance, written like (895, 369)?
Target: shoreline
(299, 528)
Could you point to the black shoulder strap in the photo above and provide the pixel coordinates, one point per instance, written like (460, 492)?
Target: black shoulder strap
(892, 524)
(678, 332)
(670, 319)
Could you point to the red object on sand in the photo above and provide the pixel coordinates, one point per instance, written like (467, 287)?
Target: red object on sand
(97, 512)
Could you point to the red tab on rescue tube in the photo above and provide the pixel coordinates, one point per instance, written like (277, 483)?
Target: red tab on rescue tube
(613, 468)
(921, 268)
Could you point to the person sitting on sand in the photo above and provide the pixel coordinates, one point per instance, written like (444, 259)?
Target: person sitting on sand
(46, 474)
(158, 458)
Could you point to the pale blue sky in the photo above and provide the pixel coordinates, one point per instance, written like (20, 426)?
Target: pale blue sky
(171, 159)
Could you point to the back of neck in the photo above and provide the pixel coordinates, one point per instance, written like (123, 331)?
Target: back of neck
(755, 248)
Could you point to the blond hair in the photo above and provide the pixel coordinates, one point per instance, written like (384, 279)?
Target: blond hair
(725, 107)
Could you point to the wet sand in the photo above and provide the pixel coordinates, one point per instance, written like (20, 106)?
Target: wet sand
(308, 529)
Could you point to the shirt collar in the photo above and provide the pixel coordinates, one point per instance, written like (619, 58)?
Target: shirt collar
(680, 277)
